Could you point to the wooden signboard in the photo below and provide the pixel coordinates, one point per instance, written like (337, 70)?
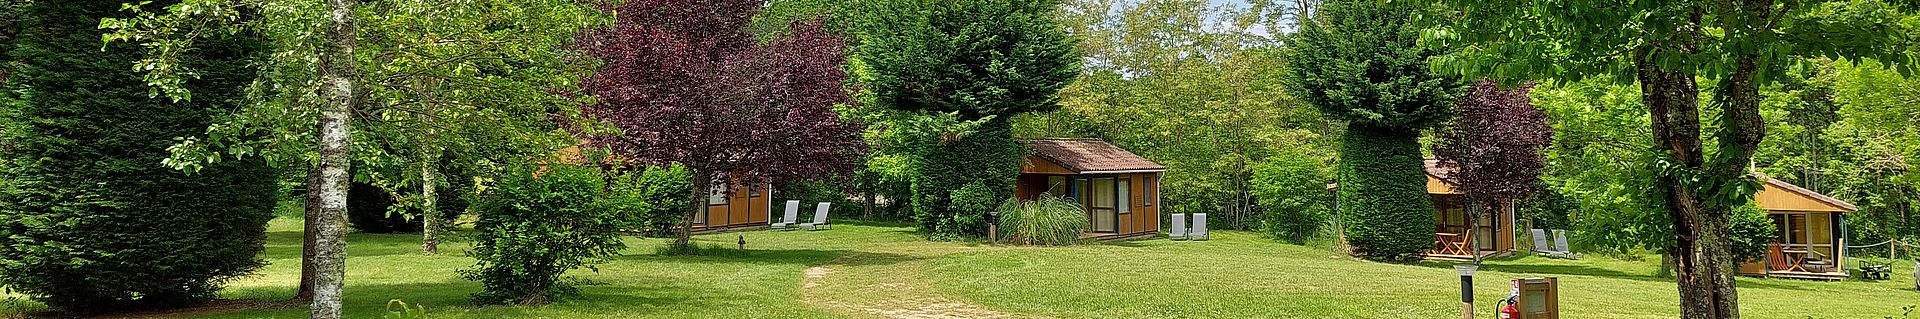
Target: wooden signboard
(1539, 298)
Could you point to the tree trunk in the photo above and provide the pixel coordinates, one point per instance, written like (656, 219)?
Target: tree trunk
(309, 236)
(1702, 256)
(701, 186)
(337, 73)
(429, 209)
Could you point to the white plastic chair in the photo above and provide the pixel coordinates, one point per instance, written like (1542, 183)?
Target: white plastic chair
(1560, 243)
(1199, 227)
(819, 218)
(1179, 231)
(1543, 247)
(792, 216)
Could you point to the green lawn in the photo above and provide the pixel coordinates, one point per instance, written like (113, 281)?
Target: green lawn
(885, 271)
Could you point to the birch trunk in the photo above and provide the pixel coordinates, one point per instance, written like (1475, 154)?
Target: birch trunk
(430, 201)
(337, 73)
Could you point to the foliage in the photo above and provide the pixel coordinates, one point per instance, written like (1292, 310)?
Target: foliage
(1496, 143)
(977, 61)
(1607, 171)
(1292, 189)
(533, 229)
(1196, 87)
(1049, 221)
(397, 309)
(371, 210)
(1383, 195)
(1549, 208)
(659, 192)
(1751, 231)
(1363, 67)
(684, 82)
(89, 220)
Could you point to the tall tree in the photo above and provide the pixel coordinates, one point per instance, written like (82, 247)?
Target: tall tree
(89, 220)
(685, 83)
(980, 61)
(1495, 144)
(1362, 66)
(1739, 45)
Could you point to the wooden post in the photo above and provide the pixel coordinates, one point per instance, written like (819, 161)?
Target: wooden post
(1466, 289)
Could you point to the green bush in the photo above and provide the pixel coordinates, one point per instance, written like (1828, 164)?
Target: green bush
(533, 229)
(659, 195)
(1383, 191)
(1548, 208)
(90, 220)
(1751, 231)
(1047, 221)
(961, 180)
(1291, 189)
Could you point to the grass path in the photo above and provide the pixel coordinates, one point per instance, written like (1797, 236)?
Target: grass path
(885, 271)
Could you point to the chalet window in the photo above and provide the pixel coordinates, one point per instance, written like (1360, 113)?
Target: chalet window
(1056, 186)
(717, 195)
(1148, 189)
(1126, 196)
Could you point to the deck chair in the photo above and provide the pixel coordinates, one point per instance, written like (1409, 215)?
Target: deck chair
(1199, 227)
(1560, 243)
(819, 218)
(1179, 231)
(1543, 246)
(792, 216)
(1776, 258)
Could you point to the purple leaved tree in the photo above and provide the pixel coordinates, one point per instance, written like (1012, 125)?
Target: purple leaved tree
(1495, 144)
(685, 83)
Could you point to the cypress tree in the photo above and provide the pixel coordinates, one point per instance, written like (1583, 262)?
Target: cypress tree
(1361, 64)
(90, 220)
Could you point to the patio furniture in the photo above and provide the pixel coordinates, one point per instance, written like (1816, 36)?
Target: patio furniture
(1872, 270)
(1560, 243)
(1443, 243)
(1199, 227)
(1544, 246)
(792, 216)
(1796, 259)
(1179, 231)
(1461, 246)
(819, 218)
(1776, 257)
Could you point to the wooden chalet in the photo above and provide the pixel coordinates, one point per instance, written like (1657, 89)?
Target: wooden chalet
(1119, 190)
(1813, 233)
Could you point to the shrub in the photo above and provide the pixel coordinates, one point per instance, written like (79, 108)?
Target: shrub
(533, 229)
(1548, 208)
(90, 221)
(1047, 221)
(1291, 188)
(1384, 191)
(960, 180)
(659, 197)
(1751, 231)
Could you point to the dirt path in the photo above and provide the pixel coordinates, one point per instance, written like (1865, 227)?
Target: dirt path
(887, 285)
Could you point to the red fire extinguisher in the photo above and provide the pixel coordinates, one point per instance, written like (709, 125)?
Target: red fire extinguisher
(1507, 309)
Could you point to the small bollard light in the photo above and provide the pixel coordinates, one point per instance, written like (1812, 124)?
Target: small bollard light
(993, 227)
(743, 242)
(1466, 288)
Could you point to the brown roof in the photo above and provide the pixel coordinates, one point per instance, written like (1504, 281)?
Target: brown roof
(1433, 168)
(1809, 193)
(1086, 155)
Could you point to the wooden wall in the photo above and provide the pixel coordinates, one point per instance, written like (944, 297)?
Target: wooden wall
(1144, 217)
(744, 208)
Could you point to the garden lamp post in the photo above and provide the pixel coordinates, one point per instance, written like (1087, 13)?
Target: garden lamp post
(1466, 288)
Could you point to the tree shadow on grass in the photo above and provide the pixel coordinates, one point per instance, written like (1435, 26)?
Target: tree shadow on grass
(804, 257)
(286, 244)
(452, 299)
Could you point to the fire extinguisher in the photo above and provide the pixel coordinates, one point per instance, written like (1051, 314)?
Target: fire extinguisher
(1507, 308)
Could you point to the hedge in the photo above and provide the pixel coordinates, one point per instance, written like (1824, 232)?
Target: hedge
(1383, 193)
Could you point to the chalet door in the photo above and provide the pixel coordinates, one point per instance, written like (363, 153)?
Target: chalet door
(1101, 201)
(739, 206)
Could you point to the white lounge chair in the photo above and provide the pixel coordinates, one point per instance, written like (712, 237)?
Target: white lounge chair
(819, 218)
(1179, 230)
(792, 216)
(1542, 246)
(1199, 227)
(1560, 243)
